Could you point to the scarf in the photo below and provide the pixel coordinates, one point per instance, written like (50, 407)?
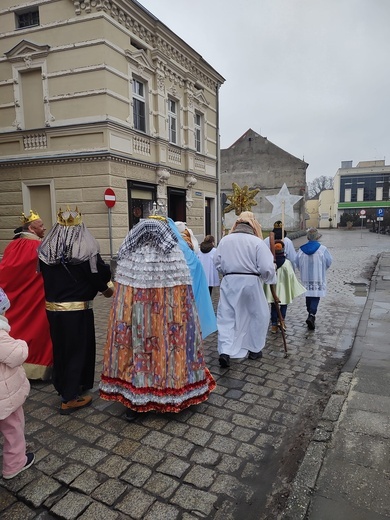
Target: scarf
(69, 245)
(243, 227)
(152, 231)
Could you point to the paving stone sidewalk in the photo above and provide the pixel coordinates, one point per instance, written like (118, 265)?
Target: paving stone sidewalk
(345, 471)
(232, 457)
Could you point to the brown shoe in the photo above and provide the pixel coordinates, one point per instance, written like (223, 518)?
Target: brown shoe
(274, 329)
(75, 404)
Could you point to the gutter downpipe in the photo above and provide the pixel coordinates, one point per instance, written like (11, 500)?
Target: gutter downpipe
(218, 172)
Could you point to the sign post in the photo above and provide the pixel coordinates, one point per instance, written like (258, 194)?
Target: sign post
(363, 215)
(110, 199)
(380, 212)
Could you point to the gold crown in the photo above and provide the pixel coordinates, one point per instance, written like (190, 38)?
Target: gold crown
(158, 217)
(278, 224)
(69, 217)
(33, 216)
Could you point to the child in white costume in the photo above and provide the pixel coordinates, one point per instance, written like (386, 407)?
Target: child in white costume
(287, 286)
(206, 257)
(14, 389)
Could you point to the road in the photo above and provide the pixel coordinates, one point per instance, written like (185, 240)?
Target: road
(232, 457)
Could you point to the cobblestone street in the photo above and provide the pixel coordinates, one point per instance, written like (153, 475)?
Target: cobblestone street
(232, 457)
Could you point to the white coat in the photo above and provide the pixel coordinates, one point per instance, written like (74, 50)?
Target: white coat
(243, 313)
(14, 385)
(207, 261)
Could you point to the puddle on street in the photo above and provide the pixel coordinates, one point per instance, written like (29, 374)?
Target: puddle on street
(361, 292)
(361, 289)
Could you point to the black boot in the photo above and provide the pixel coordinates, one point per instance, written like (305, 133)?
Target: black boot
(224, 361)
(311, 325)
(131, 415)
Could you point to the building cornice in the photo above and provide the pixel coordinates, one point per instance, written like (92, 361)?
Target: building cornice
(96, 157)
(155, 35)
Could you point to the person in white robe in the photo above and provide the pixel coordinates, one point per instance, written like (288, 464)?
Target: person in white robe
(243, 314)
(287, 288)
(206, 257)
(313, 260)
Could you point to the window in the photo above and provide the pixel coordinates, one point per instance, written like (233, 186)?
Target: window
(347, 194)
(172, 120)
(198, 131)
(140, 201)
(32, 98)
(27, 18)
(139, 105)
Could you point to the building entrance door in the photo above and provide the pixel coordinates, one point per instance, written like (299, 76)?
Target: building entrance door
(177, 204)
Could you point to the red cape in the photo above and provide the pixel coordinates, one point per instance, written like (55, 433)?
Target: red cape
(27, 315)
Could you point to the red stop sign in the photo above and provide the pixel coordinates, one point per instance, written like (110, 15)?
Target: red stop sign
(109, 198)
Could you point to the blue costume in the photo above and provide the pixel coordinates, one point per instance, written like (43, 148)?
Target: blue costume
(208, 321)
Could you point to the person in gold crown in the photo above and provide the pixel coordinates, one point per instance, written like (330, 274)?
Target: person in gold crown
(23, 284)
(73, 273)
(154, 354)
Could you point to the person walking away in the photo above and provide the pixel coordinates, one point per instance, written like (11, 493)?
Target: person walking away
(23, 284)
(14, 389)
(289, 249)
(245, 263)
(313, 260)
(154, 357)
(206, 257)
(73, 273)
(287, 287)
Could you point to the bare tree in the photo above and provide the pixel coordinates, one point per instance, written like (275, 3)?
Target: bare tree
(314, 188)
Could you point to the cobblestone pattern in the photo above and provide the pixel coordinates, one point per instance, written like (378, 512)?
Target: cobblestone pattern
(224, 459)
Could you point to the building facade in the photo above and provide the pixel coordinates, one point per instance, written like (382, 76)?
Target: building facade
(312, 213)
(100, 94)
(363, 187)
(327, 217)
(255, 162)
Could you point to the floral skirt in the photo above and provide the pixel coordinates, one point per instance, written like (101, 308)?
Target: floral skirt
(153, 356)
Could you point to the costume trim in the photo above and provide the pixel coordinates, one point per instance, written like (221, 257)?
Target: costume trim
(69, 306)
(162, 400)
(29, 236)
(34, 371)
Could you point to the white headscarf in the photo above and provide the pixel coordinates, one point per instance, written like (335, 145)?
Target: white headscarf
(69, 245)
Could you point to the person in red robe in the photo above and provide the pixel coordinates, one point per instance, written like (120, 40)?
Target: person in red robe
(23, 285)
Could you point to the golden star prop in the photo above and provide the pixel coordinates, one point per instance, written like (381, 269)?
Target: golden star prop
(242, 199)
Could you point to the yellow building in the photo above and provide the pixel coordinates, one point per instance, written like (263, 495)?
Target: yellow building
(100, 94)
(311, 206)
(327, 210)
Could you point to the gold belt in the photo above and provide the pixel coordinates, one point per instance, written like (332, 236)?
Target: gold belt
(68, 306)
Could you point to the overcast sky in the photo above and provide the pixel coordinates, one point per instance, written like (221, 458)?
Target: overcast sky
(313, 76)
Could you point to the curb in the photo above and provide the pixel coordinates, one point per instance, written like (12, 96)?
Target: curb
(304, 483)
(305, 480)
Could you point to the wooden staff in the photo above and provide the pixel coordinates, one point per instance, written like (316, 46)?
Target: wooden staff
(275, 297)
